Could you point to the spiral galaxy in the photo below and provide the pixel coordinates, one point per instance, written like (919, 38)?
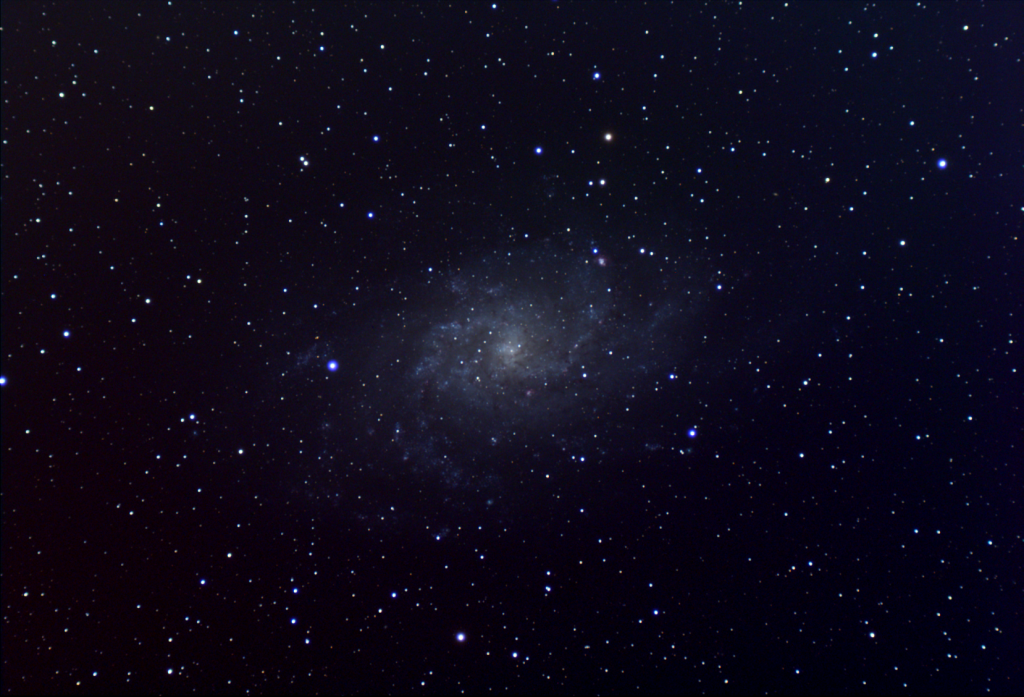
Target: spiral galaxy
(519, 348)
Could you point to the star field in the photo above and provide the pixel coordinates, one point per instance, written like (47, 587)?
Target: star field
(538, 347)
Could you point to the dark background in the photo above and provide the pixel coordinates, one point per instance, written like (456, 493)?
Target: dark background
(187, 190)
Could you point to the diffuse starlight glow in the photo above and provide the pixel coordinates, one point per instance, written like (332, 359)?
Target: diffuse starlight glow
(523, 345)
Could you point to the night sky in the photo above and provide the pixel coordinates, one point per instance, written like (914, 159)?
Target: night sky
(543, 347)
